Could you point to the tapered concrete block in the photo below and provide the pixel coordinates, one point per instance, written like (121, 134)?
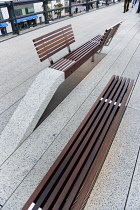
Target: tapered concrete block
(29, 111)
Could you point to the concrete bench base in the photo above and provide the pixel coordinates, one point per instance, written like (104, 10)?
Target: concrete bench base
(29, 111)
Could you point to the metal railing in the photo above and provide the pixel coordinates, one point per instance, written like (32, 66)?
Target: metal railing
(48, 13)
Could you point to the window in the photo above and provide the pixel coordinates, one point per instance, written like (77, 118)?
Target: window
(18, 12)
(24, 9)
(29, 10)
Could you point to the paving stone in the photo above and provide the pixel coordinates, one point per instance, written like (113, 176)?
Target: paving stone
(133, 201)
(24, 175)
(13, 96)
(5, 116)
(111, 188)
(29, 163)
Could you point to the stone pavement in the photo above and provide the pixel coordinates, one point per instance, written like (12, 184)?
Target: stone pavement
(118, 184)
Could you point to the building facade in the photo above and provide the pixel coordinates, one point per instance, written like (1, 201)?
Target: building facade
(32, 20)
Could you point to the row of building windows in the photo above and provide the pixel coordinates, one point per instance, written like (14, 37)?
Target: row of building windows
(21, 10)
(27, 10)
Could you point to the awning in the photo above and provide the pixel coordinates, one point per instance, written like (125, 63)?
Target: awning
(26, 18)
(2, 25)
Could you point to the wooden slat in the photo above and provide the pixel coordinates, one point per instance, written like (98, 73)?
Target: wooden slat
(82, 50)
(76, 148)
(78, 63)
(63, 182)
(88, 185)
(55, 51)
(111, 32)
(66, 149)
(47, 38)
(76, 55)
(53, 47)
(51, 43)
(102, 130)
(85, 50)
(81, 47)
(55, 31)
(84, 152)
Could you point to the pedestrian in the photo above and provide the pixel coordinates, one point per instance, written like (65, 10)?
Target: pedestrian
(138, 10)
(126, 5)
(133, 3)
(76, 9)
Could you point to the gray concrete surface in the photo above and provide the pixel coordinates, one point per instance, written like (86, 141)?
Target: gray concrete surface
(24, 169)
(29, 111)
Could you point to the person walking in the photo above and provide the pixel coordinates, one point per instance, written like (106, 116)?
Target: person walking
(133, 3)
(138, 10)
(126, 5)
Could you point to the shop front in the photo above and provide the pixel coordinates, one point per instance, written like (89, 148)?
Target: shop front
(27, 22)
(3, 28)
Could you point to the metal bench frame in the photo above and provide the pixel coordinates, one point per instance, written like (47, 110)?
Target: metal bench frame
(70, 179)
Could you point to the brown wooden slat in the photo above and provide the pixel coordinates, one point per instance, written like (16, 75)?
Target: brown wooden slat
(73, 192)
(81, 61)
(102, 129)
(105, 37)
(66, 149)
(85, 154)
(55, 40)
(82, 51)
(113, 29)
(70, 172)
(53, 47)
(55, 31)
(59, 63)
(85, 51)
(76, 170)
(51, 43)
(63, 164)
(79, 49)
(77, 56)
(104, 149)
(63, 64)
(69, 157)
(55, 51)
(52, 37)
(66, 65)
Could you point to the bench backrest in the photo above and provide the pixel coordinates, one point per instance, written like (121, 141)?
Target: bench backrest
(51, 43)
(109, 34)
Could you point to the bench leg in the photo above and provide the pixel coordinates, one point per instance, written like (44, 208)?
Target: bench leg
(92, 58)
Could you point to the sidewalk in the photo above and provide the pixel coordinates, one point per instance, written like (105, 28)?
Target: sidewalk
(118, 184)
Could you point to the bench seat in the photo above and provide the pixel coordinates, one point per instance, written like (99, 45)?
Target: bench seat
(76, 58)
(67, 184)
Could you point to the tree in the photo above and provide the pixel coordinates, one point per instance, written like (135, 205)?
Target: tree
(58, 12)
(49, 13)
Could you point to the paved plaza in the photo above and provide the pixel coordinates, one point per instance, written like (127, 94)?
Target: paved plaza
(118, 184)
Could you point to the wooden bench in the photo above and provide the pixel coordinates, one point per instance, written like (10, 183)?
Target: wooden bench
(109, 34)
(72, 176)
(51, 43)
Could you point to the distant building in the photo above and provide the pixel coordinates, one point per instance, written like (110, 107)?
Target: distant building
(27, 22)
